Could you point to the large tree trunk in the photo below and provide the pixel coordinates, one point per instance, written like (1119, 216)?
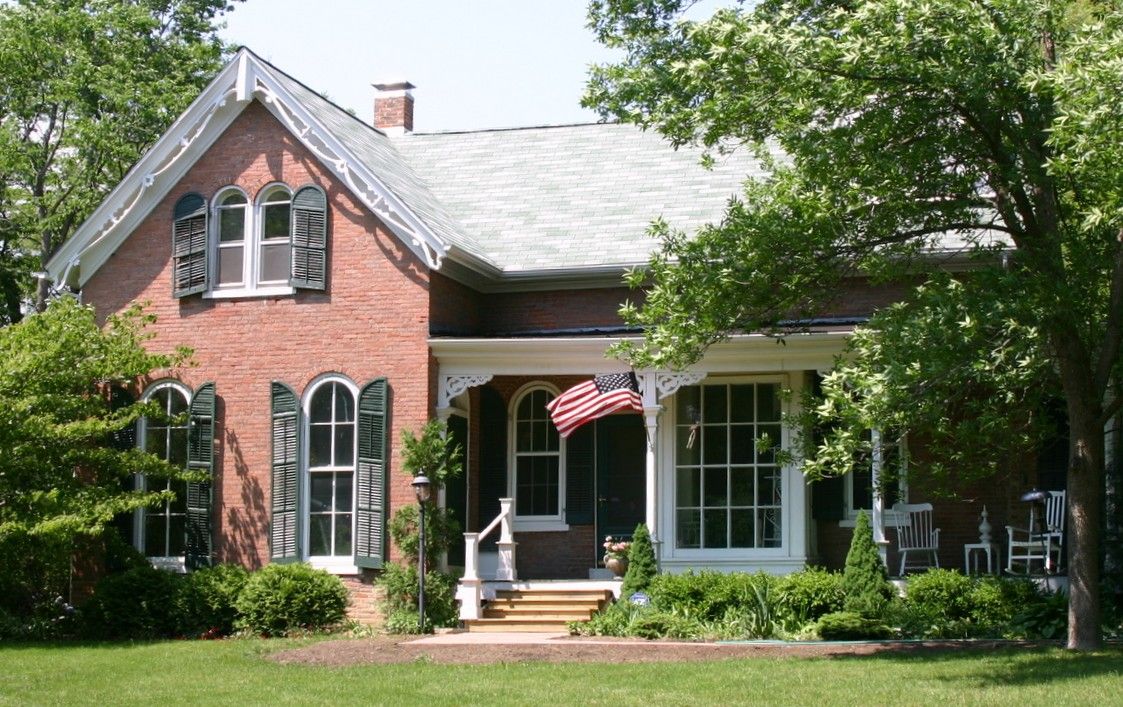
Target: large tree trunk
(1085, 508)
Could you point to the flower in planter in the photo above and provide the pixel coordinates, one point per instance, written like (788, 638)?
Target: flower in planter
(616, 549)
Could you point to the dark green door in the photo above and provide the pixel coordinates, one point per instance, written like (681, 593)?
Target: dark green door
(456, 491)
(621, 452)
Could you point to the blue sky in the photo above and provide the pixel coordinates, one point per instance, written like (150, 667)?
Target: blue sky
(476, 63)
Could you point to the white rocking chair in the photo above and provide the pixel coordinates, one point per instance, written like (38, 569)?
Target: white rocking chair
(915, 533)
(1042, 540)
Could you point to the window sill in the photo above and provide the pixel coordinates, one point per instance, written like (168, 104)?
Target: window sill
(887, 518)
(169, 564)
(528, 525)
(243, 293)
(334, 565)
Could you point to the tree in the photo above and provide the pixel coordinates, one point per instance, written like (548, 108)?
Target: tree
(65, 462)
(89, 85)
(904, 127)
(642, 567)
(865, 581)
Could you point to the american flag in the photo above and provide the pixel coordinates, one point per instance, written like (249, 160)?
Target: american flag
(592, 399)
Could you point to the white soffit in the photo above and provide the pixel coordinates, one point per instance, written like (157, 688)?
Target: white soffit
(160, 169)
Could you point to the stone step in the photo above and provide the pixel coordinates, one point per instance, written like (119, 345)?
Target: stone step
(556, 613)
(517, 625)
(584, 605)
(546, 595)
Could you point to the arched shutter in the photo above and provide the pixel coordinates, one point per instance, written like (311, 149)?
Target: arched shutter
(309, 238)
(370, 482)
(189, 246)
(200, 457)
(285, 535)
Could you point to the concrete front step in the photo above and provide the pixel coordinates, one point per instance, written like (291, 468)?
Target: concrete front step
(532, 610)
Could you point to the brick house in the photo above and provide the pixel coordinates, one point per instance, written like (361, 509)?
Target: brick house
(341, 282)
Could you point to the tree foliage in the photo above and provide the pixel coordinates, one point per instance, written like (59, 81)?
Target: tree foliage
(61, 475)
(903, 138)
(642, 567)
(89, 85)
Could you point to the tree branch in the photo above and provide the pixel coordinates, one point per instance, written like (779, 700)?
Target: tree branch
(1113, 336)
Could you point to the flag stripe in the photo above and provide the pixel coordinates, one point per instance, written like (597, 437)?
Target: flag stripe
(587, 401)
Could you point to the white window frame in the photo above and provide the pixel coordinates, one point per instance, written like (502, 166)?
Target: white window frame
(336, 564)
(251, 284)
(172, 563)
(785, 474)
(537, 523)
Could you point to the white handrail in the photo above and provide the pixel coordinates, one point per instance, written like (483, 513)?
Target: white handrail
(469, 591)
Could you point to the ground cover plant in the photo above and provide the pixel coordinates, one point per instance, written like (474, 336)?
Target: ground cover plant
(239, 672)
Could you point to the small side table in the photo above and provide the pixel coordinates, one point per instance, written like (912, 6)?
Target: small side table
(991, 549)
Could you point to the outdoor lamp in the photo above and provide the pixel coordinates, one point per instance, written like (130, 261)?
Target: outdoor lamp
(421, 487)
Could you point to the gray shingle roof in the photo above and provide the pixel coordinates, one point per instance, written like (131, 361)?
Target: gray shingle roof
(573, 196)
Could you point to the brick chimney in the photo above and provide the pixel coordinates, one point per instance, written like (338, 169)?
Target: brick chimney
(393, 107)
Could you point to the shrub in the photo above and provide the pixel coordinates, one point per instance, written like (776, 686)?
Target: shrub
(206, 602)
(802, 597)
(280, 599)
(399, 582)
(138, 603)
(624, 619)
(641, 563)
(714, 597)
(850, 626)
(1047, 617)
(865, 582)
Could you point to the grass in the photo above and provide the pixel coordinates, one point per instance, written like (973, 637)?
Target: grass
(236, 672)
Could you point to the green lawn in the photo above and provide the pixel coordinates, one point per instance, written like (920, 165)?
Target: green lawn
(235, 672)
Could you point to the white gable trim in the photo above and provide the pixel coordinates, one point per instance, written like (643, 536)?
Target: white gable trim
(161, 168)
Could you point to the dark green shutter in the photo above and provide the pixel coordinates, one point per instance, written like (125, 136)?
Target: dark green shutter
(189, 246)
(580, 452)
(285, 529)
(493, 458)
(309, 238)
(370, 482)
(200, 457)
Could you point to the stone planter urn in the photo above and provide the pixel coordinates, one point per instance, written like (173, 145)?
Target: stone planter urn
(618, 566)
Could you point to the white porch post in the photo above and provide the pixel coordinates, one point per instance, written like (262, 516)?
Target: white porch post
(878, 513)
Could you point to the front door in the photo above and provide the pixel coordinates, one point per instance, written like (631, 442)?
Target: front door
(621, 483)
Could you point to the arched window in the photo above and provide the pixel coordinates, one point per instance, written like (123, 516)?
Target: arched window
(161, 532)
(330, 417)
(232, 219)
(274, 244)
(537, 477)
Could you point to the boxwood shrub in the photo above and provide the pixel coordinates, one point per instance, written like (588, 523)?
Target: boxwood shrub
(139, 603)
(281, 599)
(206, 601)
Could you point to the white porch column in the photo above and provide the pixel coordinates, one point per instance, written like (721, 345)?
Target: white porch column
(878, 512)
(651, 422)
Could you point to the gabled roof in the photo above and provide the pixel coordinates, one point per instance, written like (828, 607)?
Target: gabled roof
(509, 208)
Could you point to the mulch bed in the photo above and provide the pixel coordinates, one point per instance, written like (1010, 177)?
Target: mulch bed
(397, 649)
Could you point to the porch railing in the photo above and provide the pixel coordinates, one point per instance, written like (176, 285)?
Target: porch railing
(470, 589)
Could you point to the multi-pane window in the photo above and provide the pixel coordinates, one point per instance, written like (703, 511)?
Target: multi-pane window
(273, 263)
(537, 457)
(331, 469)
(162, 528)
(232, 216)
(728, 484)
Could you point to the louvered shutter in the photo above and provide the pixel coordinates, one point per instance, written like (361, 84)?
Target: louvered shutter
(309, 226)
(493, 459)
(189, 246)
(370, 482)
(580, 478)
(200, 457)
(285, 532)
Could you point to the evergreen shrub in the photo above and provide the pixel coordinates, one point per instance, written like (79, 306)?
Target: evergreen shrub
(865, 581)
(138, 603)
(207, 599)
(281, 599)
(399, 583)
(802, 597)
(851, 626)
(641, 564)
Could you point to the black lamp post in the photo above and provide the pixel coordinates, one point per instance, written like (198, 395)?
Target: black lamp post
(421, 487)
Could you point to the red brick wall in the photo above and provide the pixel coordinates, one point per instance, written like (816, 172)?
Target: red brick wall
(372, 321)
